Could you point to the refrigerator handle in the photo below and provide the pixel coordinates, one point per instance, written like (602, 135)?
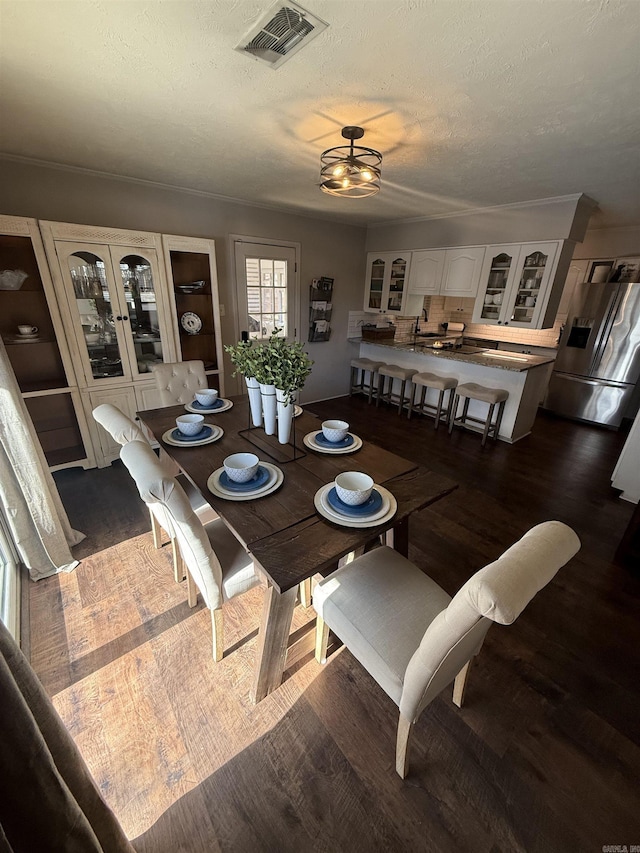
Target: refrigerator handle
(605, 328)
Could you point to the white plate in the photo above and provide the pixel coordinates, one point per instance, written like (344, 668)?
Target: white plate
(309, 441)
(380, 513)
(228, 404)
(320, 503)
(274, 482)
(217, 433)
(25, 339)
(191, 323)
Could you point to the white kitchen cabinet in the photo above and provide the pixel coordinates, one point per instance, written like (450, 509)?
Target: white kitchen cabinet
(425, 275)
(516, 285)
(448, 272)
(462, 271)
(117, 313)
(386, 283)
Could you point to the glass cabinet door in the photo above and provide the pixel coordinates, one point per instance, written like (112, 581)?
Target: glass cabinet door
(496, 286)
(97, 307)
(530, 288)
(397, 283)
(139, 320)
(376, 284)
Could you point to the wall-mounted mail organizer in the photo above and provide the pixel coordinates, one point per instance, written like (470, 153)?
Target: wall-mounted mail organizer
(320, 306)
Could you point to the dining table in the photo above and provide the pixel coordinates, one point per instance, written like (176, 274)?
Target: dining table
(287, 537)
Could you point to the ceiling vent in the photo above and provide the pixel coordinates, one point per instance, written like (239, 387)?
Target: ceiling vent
(281, 33)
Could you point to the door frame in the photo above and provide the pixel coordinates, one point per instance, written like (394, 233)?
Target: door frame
(266, 241)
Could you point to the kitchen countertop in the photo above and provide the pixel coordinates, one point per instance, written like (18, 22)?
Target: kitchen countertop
(501, 360)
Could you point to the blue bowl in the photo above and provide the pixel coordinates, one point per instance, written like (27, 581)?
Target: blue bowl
(371, 505)
(196, 405)
(259, 480)
(205, 432)
(321, 441)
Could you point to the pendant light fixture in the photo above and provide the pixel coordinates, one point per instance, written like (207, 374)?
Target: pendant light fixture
(350, 171)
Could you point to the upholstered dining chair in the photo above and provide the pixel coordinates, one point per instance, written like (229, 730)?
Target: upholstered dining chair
(123, 430)
(216, 563)
(177, 381)
(411, 636)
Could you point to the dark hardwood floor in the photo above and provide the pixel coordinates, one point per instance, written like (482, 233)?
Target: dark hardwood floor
(544, 756)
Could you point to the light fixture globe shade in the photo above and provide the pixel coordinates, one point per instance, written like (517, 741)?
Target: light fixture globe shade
(350, 171)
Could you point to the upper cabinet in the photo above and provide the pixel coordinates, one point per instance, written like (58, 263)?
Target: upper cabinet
(516, 285)
(193, 289)
(386, 285)
(449, 272)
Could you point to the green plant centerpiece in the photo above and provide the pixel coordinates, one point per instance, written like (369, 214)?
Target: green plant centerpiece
(285, 365)
(243, 356)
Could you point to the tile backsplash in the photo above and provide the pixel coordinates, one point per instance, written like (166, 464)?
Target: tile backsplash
(441, 309)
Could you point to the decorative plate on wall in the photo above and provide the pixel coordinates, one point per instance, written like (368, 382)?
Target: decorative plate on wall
(191, 323)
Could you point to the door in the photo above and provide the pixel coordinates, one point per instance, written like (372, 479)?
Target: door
(617, 351)
(266, 290)
(462, 268)
(531, 290)
(425, 274)
(498, 273)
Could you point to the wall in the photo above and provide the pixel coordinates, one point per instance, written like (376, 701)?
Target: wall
(327, 248)
(609, 243)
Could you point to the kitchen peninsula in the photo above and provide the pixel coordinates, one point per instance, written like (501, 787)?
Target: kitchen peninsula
(523, 376)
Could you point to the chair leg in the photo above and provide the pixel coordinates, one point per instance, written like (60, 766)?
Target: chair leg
(371, 374)
(156, 530)
(439, 409)
(487, 425)
(454, 409)
(354, 377)
(178, 565)
(460, 684)
(450, 408)
(412, 401)
(403, 742)
(402, 393)
(322, 639)
(498, 420)
(192, 590)
(305, 593)
(217, 634)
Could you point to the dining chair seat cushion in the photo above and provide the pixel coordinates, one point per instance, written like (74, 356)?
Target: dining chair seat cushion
(238, 573)
(434, 380)
(480, 392)
(383, 640)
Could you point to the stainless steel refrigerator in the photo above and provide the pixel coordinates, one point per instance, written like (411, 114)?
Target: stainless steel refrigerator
(598, 363)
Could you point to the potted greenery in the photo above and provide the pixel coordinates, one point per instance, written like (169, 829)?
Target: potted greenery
(243, 356)
(292, 366)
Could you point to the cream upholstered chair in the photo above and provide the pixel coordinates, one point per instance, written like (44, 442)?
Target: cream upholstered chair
(123, 430)
(215, 560)
(411, 636)
(178, 381)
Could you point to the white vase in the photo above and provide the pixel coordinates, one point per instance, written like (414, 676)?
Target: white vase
(268, 393)
(255, 400)
(285, 416)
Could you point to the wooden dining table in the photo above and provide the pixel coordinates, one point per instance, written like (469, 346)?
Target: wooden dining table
(288, 539)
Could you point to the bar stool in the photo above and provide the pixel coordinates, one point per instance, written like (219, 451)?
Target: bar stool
(394, 371)
(441, 384)
(363, 365)
(492, 396)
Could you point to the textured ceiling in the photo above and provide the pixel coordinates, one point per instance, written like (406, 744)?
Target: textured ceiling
(472, 102)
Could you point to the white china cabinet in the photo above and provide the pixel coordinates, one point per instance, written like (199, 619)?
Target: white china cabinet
(115, 307)
(516, 285)
(40, 358)
(193, 292)
(386, 283)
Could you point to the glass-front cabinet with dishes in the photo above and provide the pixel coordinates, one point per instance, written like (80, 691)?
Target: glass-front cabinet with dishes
(386, 283)
(36, 346)
(516, 284)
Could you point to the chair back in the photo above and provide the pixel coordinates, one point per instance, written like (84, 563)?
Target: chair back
(157, 488)
(121, 428)
(497, 593)
(178, 381)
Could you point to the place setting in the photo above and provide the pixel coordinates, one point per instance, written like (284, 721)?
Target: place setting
(244, 477)
(354, 500)
(192, 431)
(334, 437)
(207, 402)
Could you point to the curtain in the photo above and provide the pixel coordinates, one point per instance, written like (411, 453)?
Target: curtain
(49, 801)
(36, 518)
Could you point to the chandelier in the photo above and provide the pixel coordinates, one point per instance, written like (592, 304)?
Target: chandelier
(350, 171)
